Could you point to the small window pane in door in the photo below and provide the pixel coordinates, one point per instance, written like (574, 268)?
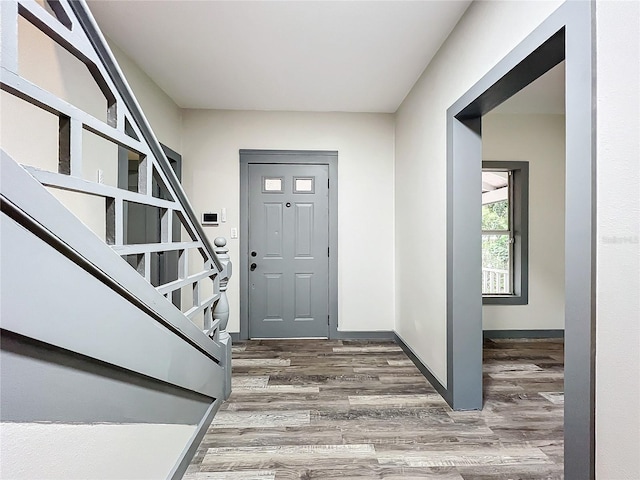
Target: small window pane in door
(303, 185)
(272, 185)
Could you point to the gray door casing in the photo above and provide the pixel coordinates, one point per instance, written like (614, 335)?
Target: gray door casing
(289, 250)
(328, 160)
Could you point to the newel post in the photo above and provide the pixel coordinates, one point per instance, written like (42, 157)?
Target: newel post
(221, 308)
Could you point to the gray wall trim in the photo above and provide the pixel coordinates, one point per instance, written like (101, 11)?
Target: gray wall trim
(45, 383)
(191, 448)
(491, 334)
(580, 244)
(567, 33)
(373, 335)
(341, 335)
(322, 157)
(464, 259)
(521, 232)
(244, 247)
(543, 49)
(422, 367)
(257, 154)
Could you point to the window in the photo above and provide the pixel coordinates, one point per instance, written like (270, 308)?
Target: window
(505, 232)
(303, 185)
(497, 233)
(272, 185)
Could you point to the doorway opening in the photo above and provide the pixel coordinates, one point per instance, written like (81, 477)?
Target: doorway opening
(566, 34)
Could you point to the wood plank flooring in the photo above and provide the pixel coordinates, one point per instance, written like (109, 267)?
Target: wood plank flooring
(329, 409)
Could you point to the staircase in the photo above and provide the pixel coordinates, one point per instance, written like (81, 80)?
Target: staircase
(114, 355)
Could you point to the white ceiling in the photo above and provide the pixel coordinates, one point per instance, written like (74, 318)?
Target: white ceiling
(350, 56)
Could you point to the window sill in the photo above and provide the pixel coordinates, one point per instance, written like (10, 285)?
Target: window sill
(505, 300)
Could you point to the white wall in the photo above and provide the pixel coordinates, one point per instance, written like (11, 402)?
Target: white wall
(51, 67)
(211, 177)
(420, 184)
(484, 35)
(99, 451)
(618, 251)
(164, 116)
(539, 140)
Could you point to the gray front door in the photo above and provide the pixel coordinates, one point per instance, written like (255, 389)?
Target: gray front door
(288, 250)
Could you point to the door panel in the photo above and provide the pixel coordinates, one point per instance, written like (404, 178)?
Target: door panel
(303, 297)
(273, 230)
(289, 232)
(274, 296)
(304, 230)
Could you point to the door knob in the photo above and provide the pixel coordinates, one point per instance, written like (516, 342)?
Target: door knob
(253, 267)
(253, 254)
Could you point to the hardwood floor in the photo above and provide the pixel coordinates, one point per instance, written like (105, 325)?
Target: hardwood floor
(328, 409)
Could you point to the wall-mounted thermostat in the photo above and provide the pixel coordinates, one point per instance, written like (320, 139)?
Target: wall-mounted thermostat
(210, 219)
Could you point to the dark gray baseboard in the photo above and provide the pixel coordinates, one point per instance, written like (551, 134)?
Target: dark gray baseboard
(423, 368)
(377, 335)
(491, 334)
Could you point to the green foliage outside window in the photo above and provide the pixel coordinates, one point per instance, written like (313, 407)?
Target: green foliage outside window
(495, 216)
(495, 247)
